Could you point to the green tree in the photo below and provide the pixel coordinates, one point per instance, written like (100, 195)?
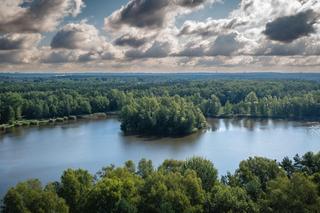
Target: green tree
(161, 116)
(171, 166)
(117, 191)
(308, 163)
(145, 168)
(227, 109)
(230, 199)
(104, 197)
(212, 106)
(288, 166)
(29, 196)
(130, 166)
(254, 174)
(204, 169)
(99, 103)
(215, 105)
(297, 194)
(252, 102)
(172, 192)
(75, 186)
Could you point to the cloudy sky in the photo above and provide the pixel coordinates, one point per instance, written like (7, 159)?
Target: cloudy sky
(159, 35)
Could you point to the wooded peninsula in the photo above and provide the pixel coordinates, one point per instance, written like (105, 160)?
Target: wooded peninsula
(158, 105)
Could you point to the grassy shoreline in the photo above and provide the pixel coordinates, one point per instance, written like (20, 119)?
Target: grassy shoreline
(4, 128)
(51, 121)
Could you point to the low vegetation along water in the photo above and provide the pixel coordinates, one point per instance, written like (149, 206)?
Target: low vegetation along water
(45, 152)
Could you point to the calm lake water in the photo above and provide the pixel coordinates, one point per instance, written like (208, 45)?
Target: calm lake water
(46, 152)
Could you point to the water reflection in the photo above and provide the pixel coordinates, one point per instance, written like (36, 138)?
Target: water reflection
(45, 152)
(248, 124)
(161, 142)
(237, 123)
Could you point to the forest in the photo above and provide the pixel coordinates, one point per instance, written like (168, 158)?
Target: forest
(147, 104)
(161, 116)
(258, 185)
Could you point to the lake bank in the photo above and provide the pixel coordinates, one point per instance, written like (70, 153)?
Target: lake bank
(4, 128)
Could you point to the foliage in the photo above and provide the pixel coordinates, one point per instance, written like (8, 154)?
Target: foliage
(258, 185)
(298, 194)
(51, 97)
(162, 116)
(254, 174)
(204, 169)
(29, 196)
(74, 187)
(230, 199)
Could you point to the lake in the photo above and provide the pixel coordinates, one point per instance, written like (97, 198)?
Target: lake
(45, 152)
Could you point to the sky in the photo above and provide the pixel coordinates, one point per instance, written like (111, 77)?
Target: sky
(160, 35)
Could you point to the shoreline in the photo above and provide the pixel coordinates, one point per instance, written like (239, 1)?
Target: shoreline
(6, 128)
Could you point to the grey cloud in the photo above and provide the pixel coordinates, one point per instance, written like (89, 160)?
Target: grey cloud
(290, 28)
(142, 13)
(191, 3)
(90, 56)
(188, 29)
(128, 40)
(224, 45)
(192, 50)
(208, 28)
(37, 15)
(284, 49)
(93, 55)
(14, 41)
(107, 55)
(77, 36)
(157, 50)
(6, 44)
(61, 56)
(9, 57)
(64, 39)
(18, 56)
(247, 5)
(148, 13)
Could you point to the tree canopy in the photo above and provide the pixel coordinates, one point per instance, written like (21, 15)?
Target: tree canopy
(258, 185)
(163, 116)
(52, 97)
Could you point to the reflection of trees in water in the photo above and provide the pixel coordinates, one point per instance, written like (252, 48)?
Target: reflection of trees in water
(158, 142)
(283, 123)
(264, 123)
(236, 122)
(249, 124)
(227, 123)
(314, 129)
(18, 132)
(213, 124)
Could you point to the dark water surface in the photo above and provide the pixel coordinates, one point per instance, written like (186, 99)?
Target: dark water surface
(46, 152)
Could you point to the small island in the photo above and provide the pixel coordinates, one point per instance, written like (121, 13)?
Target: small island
(165, 116)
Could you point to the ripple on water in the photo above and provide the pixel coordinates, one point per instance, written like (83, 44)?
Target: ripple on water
(314, 129)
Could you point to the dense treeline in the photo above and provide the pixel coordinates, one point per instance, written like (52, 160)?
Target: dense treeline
(258, 185)
(166, 115)
(39, 105)
(40, 98)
